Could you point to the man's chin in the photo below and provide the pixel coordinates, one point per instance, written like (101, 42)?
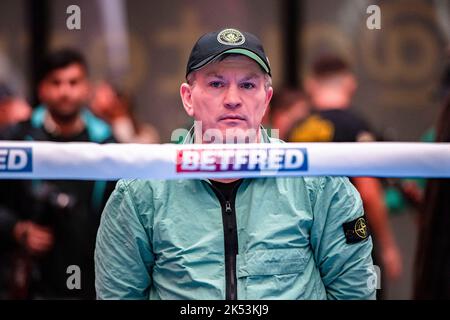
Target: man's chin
(65, 116)
(239, 134)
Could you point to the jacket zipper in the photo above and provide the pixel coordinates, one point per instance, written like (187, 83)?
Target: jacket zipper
(230, 241)
(228, 207)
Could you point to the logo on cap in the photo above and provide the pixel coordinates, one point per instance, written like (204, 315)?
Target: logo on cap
(231, 37)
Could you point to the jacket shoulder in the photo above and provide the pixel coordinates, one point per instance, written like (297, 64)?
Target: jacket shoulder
(142, 192)
(316, 185)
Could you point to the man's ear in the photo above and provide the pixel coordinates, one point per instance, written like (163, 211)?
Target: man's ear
(269, 95)
(186, 97)
(310, 85)
(88, 89)
(351, 83)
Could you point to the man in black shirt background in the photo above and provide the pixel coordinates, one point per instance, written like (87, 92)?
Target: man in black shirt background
(331, 88)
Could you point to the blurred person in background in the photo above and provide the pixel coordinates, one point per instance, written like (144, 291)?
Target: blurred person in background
(331, 88)
(115, 108)
(54, 223)
(432, 268)
(287, 107)
(13, 109)
(404, 193)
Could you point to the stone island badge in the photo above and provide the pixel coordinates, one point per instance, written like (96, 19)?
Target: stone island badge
(356, 230)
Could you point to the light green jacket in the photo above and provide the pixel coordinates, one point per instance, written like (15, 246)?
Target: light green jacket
(164, 240)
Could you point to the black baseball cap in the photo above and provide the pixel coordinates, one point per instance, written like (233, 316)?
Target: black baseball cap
(212, 45)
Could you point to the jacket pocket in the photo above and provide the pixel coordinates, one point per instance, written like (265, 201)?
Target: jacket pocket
(270, 274)
(272, 261)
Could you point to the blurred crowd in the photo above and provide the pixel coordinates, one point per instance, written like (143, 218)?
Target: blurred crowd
(46, 226)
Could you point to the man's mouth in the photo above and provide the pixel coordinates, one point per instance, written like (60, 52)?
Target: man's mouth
(232, 117)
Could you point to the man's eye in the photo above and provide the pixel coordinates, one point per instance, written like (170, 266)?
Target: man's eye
(216, 84)
(248, 85)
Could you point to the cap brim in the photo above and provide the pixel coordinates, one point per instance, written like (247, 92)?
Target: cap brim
(242, 51)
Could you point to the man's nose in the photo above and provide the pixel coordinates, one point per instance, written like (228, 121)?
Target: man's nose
(64, 89)
(232, 98)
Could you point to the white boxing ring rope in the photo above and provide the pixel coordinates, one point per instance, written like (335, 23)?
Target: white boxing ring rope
(91, 161)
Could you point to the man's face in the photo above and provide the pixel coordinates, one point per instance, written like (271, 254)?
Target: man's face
(228, 95)
(64, 91)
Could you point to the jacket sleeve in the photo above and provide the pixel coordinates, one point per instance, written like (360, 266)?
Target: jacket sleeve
(346, 268)
(123, 254)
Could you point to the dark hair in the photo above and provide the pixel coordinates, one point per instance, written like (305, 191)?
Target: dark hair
(432, 270)
(61, 59)
(285, 98)
(329, 65)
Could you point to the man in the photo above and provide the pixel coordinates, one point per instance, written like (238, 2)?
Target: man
(55, 222)
(266, 238)
(331, 87)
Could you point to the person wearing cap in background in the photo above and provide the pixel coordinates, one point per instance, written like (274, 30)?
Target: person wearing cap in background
(265, 238)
